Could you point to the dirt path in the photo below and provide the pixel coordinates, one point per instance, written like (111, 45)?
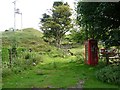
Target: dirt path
(79, 85)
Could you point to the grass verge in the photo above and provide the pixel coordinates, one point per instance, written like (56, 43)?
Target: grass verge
(56, 73)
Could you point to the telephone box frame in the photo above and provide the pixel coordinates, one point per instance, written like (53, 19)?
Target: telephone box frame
(91, 52)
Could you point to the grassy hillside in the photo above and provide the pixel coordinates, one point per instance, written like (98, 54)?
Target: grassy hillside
(25, 37)
(46, 66)
(28, 38)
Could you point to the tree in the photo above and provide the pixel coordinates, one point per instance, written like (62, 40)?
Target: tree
(58, 23)
(77, 35)
(48, 26)
(100, 19)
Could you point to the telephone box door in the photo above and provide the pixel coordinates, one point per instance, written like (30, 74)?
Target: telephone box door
(91, 52)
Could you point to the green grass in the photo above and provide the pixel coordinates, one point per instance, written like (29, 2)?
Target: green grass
(5, 55)
(27, 38)
(78, 50)
(56, 73)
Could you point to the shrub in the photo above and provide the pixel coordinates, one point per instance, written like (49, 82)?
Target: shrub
(79, 58)
(27, 56)
(5, 54)
(6, 72)
(25, 60)
(31, 57)
(17, 70)
(55, 53)
(109, 74)
(5, 64)
(36, 59)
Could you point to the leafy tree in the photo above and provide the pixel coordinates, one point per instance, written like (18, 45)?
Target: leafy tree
(77, 35)
(48, 26)
(100, 19)
(58, 23)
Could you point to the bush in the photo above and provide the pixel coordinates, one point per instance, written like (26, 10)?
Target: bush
(24, 60)
(5, 64)
(79, 58)
(16, 70)
(55, 53)
(5, 54)
(27, 56)
(37, 59)
(31, 57)
(109, 74)
(6, 72)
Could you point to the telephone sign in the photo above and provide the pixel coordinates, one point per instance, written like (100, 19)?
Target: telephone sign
(91, 52)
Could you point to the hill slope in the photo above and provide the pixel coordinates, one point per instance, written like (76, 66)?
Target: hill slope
(28, 38)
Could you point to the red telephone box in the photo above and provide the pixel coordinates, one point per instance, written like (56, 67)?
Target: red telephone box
(91, 52)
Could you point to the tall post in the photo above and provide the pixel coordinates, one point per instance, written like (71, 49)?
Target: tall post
(14, 15)
(13, 43)
(21, 22)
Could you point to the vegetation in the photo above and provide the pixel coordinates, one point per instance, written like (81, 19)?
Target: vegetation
(101, 20)
(30, 48)
(109, 74)
(58, 23)
(53, 68)
(77, 35)
(31, 60)
(57, 72)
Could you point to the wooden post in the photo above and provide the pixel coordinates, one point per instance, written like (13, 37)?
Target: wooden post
(107, 56)
(10, 57)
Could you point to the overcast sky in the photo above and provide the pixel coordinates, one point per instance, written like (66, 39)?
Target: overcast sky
(32, 10)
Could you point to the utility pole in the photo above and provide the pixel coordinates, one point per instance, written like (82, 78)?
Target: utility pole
(14, 15)
(21, 22)
(12, 50)
(16, 11)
